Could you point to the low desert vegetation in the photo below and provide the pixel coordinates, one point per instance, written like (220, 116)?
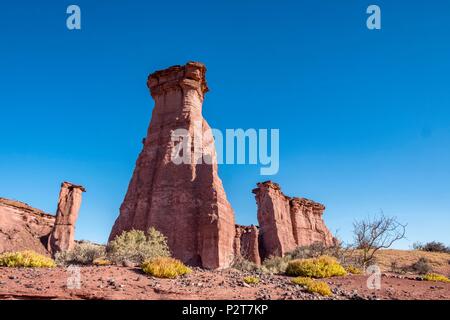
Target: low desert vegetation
(25, 259)
(83, 253)
(313, 286)
(402, 261)
(276, 265)
(433, 246)
(321, 267)
(165, 267)
(244, 265)
(421, 266)
(136, 246)
(251, 280)
(436, 277)
(101, 262)
(353, 270)
(314, 250)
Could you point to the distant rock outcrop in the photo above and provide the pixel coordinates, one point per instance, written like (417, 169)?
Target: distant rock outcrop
(286, 223)
(246, 243)
(185, 201)
(62, 237)
(23, 227)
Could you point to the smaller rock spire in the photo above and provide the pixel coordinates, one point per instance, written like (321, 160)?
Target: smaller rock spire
(62, 237)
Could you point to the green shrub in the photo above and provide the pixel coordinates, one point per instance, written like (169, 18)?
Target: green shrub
(84, 253)
(436, 277)
(251, 280)
(421, 266)
(322, 267)
(433, 246)
(276, 265)
(313, 286)
(314, 250)
(26, 259)
(165, 267)
(136, 246)
(242, 264)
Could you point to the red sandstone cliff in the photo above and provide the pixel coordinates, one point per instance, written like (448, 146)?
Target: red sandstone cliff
(186, 202)
(23, 227)
(286, 223)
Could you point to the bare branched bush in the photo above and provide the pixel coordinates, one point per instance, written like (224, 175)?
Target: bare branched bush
(373, 234)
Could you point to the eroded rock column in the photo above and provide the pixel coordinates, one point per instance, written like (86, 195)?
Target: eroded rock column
(287, 223)
(62, 237)
(274, 219)
(247, 243)
(185, 201)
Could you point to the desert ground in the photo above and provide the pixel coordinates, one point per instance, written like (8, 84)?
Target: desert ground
(113, 282)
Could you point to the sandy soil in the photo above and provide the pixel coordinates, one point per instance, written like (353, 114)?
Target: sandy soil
(112, 282)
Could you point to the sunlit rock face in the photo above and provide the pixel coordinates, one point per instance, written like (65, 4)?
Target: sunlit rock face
(286, 223)
(186, 201)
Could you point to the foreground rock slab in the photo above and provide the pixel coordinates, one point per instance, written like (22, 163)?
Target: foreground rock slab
(128, 283)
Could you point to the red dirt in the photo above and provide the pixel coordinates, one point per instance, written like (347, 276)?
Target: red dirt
(130, 283)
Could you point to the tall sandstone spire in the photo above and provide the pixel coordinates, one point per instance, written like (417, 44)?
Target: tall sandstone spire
(186, 201)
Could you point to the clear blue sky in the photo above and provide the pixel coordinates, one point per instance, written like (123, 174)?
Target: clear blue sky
(364, 116)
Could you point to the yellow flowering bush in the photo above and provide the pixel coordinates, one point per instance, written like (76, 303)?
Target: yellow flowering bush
(353, 270)
(26, 259)
(251, 280)
(165, 267)
(436, 277)
(313, 286)
(321, 267)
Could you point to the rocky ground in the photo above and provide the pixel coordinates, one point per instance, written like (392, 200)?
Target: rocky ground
(110, 282)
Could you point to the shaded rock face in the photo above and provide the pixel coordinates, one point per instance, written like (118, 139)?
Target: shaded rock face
(23, 227)
(286, 223)
(246, 243)
(274, 220)
(186, 201)
(62, 237)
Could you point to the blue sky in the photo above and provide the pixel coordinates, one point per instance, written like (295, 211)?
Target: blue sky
(364, 116)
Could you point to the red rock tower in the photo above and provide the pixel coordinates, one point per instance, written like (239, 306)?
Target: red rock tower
(287, 223)
(186, 201)
(62, 237)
